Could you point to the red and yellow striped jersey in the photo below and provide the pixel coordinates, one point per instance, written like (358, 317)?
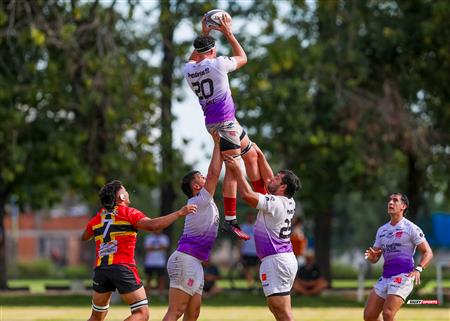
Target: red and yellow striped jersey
(115, 235)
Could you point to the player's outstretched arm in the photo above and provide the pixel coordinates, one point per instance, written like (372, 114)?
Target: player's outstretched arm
(215, 166)
(247, 193)
(264, 168)
(159, 223)
(238, 52)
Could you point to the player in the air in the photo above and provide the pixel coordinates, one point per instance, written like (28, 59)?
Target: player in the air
(114, 229)
(397, 241)
(272, 232)
(200, 231)
(207, 76)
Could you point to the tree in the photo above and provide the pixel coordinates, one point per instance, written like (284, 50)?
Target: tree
(77, 101)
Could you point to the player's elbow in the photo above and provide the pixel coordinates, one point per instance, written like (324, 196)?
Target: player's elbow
(250, 199)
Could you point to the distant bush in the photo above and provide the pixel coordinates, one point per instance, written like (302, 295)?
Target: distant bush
(32, 270)
(345, 271)
(77, 272)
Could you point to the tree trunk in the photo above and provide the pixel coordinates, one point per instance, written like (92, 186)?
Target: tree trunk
(3, 272)
(168, 195)
(414, 187)
(322, 242)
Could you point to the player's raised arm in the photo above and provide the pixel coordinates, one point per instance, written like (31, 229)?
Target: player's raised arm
(264, 168)
(215, 166)
(159, 223)
(205, 32)
(238, 52)
(247, 193)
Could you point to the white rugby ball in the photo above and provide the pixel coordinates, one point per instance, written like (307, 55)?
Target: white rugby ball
(212, 17)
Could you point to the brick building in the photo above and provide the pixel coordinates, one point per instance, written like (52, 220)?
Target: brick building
(30, 237)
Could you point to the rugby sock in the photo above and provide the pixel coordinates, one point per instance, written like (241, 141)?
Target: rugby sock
(259, 186)
(229, 204)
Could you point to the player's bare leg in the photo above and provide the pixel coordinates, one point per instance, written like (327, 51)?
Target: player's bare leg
(137, 300)
(250, 158)
(229, 199)
(280, 306)
(373, 308)
(391, 306)
(193, 309)
(178, 303)
(100, 305)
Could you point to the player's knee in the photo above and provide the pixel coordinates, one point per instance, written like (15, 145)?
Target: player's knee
(140, 310)
(141, 314)
(368, 317)
(192, 315)
(98, 312)
(280, 313)
(388, 314)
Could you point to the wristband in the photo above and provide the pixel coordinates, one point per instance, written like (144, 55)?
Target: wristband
(419, 268)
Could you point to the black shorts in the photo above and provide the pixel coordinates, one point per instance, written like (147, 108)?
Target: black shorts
(250, 260)
(151, 270)
(108, 278)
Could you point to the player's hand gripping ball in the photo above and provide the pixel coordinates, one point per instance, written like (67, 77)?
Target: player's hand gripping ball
(212, 18)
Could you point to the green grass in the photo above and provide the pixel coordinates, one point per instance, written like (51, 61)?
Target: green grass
(208, 313)
(38, 285)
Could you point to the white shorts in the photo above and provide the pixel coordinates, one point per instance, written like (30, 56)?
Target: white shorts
(229, 130)
(185, 273)
(277, 273)
(399, 284)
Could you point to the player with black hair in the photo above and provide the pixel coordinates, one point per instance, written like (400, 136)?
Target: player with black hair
(397, 241)
(199, 234)
(272, 231)
(207, 76)
(114, 229)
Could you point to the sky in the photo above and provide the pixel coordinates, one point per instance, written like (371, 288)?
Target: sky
(190, 124)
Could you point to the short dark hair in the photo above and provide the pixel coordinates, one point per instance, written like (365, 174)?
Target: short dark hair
(204, 43)
(292, 182)
(186, 183)
(108, 193)
(405, 201)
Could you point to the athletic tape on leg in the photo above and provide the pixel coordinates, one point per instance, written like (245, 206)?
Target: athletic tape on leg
(138, 305)
(99, 308)
(247, 149)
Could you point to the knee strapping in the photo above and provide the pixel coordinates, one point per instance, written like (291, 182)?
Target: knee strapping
(247, 148)
(138, 305)
(99, 308)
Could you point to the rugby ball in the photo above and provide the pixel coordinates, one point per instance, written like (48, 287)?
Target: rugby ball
(212, 17)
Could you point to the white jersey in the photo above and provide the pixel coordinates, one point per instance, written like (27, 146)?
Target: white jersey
(273, 225)
(156, 258)
(200, 229)
(399, 243)
(208, 79)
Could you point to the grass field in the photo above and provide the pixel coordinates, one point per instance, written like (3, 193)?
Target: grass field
(230, 306)
(209, 313)
(38, 286)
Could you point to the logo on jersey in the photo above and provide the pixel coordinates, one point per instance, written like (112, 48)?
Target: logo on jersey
(398, 234)
(198, 73)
